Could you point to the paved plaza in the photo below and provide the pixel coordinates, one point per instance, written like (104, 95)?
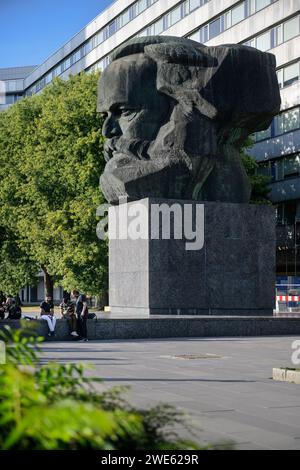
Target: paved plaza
(224, 383)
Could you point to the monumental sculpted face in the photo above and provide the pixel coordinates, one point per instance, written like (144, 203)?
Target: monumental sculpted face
(176, 114)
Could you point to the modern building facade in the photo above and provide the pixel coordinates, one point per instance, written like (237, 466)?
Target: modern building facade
(269, 25)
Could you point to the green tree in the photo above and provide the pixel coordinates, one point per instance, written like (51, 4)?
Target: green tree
(51, 155)
(259, 183)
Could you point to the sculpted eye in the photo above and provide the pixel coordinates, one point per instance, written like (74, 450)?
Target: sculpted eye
(128, 113)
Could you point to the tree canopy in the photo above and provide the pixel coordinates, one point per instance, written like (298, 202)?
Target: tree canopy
(51, 156)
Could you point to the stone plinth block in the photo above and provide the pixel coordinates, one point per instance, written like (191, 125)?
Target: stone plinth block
(183, 257)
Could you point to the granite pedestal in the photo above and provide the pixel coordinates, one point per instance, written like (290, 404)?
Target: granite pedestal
(232, 274)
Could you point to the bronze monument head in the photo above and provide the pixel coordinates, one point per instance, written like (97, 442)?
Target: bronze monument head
(177, 112)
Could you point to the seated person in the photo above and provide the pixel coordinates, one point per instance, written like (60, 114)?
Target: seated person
(47, 314)
(13, 310)
(2, 311)
(67, 309)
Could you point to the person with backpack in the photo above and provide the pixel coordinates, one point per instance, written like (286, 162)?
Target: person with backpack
(82, 312)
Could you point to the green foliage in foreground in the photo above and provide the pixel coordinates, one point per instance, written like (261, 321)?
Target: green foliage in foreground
(55, 406)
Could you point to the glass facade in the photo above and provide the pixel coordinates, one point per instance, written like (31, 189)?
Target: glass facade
(276, 36)
(266, 41)
(281, 168)
(228, 19)
(117, 23)
(286, 121)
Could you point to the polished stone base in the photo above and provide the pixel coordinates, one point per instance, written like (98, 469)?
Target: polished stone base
(233, 273)
(107, 327)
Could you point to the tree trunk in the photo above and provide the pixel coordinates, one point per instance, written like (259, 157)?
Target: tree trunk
(48, 283)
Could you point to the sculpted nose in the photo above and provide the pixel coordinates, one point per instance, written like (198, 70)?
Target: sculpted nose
(111, 128)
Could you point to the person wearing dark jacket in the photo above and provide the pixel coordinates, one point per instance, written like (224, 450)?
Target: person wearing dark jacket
(14, 311)
(81, 310)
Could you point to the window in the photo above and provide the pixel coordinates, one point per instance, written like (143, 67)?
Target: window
(291, 28)
(175, 15)
(194, 4)
(228, 20)
(260, 4)
(185, 8)
(112, 27)
(141, 6)
(290, 74)
(291, 166)
(251, 7)
(48, 78)
(261, 135)
(11, 85)
(214, 28)
(66, 64)
(238, 14)
(280, 78)
(87, 47)
(279, 170)
(98, 38)
(104, 34)
(159, 26)
(278, 35)
(76, 57)
(151, 30)
(204, 34)
(195, 36)
(263, 42)
(9, 99)
(125, 17)
(56, 71)
(142, 33)
(287, 121)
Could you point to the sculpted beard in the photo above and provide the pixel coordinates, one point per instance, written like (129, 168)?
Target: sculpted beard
(119, 151)
(164, 166)
(120, 146)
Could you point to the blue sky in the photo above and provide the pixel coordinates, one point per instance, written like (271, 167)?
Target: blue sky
(31, 30)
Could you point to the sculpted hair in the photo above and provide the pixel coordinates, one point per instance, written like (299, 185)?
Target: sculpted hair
(193, 75)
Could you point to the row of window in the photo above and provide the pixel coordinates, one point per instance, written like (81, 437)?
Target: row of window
(100, 65)
(12, 98)
(13, 85)
(277, 35)
(211, 29)
(287, 121)
(186, 7)
(271, 38)
(59, 69)
(129, 14)
(173, 16)
(228, 19)
(282, 168)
